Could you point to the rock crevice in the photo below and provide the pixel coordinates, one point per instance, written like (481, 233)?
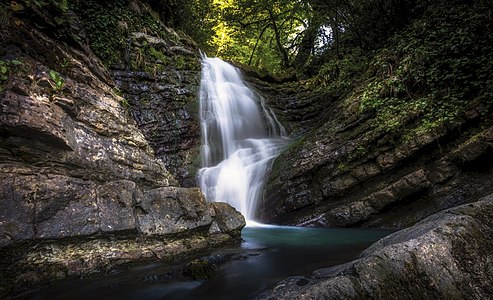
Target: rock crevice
(81, 188)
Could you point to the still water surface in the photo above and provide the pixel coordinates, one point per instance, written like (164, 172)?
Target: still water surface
(268, 254)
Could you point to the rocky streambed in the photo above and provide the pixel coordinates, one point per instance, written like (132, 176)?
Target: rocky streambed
(91, 181)
(82, 190)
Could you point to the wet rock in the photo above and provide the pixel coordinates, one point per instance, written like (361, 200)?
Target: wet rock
(36, 118)
(81, 189)
(172, 210)
(16, 214)
(228, 219)
(476, 147)
(326, 175)
(199, 269)
(446, 256)
(117, 196)
(163, 101)
(64, 207)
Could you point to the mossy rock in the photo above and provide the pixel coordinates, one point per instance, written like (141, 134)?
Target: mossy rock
(200, 269)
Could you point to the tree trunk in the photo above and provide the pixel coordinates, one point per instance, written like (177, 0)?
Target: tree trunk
(256, 44)
(307, 44)
(282, 50)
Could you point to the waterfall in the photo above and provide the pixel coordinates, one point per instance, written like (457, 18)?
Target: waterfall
(240, 138)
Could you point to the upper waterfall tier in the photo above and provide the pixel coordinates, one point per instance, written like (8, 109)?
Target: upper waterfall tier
(240, 137)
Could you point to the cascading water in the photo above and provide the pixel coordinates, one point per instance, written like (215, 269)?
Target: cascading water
(240, 137)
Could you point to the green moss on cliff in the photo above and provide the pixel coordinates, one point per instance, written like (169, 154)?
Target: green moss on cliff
(435, 70)
(426, 76)
(108, 24)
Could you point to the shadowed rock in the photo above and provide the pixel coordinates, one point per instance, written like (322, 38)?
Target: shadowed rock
(446, 256)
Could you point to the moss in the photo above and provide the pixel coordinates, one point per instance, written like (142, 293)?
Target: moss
(433, 82)
(279, 166)
(9, 68)
(199, 269)
(108, 24)
(156, 54)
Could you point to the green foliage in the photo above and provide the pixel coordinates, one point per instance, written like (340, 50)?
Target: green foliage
(434, 71)
(60, 5)
(5, 15)
(340, 76)
(273, 35)
(7, 68)
(258, 33)
(196, 18)
(124, 103)
(65, 63)
(117, 91)
(101, 23)
(341, 167)
(57, 81)
(156, 54)
(108, 24)
(37, 3)
(4, 70)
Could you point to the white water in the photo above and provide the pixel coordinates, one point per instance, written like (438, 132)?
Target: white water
(240, 137)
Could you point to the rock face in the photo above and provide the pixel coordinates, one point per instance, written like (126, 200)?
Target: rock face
(367, 155)
(446, 256)
(162, 88)
(343, 173)
(81, 190)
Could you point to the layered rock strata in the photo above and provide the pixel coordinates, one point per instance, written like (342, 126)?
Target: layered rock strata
(82, 191)
(343, 173)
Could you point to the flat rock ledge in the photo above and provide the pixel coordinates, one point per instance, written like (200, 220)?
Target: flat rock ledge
(448, 255)
(122, 226)
(81, 189)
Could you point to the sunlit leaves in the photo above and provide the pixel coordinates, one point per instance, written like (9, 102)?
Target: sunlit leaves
(261, 33)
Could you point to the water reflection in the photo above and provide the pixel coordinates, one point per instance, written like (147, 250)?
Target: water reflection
(267, 255)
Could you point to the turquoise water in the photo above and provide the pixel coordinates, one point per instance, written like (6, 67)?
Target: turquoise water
(303, 237)
(267, 254)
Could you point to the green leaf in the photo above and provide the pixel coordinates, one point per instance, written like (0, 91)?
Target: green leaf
(54, 74)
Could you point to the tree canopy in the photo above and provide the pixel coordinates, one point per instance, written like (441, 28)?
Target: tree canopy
(276, 35)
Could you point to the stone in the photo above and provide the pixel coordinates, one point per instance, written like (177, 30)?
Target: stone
(214, 229)
(16, 211)
(474, 148)
(350, 214)
(359, 211)
(445, 256)
(64, 207)
(166, 109)
(82, 191)
(228, 219)
(34, 117)
(116, 206)
(442, 171)
(340, 184)
(349, 174)
(173, 210)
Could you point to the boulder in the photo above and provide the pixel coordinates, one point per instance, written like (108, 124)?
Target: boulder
(445, 256)
(81, 188)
